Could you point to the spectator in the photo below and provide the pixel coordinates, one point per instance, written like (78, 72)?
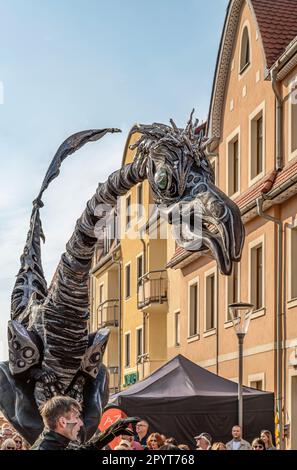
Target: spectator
(133, 444)
(6, 431)
(203, 441)
(18, 441)
(171, 440)
(237, 443)
(141, 435)
(258, 444)
(8, 444)
(219, 446)
(168, 447)
(61, 417)
(184, 447)
(125, 443)
(154, 441)
(266, 436)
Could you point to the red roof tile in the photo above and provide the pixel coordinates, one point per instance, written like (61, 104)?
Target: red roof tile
(277, 20)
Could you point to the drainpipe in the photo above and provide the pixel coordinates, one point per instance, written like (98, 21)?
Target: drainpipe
(287, 226)
(279, 120)
(279, 371)
(120, 327)
(217, 322)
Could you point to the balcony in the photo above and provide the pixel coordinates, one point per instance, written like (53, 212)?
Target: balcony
(152, 290)
(108, 313)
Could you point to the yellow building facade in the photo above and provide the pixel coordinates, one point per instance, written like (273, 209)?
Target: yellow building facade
(169, 301)
(129, 288)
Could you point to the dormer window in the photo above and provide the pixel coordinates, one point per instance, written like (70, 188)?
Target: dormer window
(245, 55)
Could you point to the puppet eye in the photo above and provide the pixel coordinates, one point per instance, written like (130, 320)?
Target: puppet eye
(161, 178)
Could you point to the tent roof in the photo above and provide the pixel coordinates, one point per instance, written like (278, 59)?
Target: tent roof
(181, 377)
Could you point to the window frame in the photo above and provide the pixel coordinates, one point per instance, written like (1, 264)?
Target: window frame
(292, 300)
(194, 281)
(177, 334)
(235, 135)
(228, 322)
(252, 245)
(128, 215)
(140, 214)
(292, 87)
(127, 334)
(253, 118)
(139, 328)
(242, 70)
(211, 272)
(125, 285)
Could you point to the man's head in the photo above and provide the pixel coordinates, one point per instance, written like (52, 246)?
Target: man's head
(236, 432)
(6, 431)
(127, 437)
(142, 427)
(203, 441)
(62, 415)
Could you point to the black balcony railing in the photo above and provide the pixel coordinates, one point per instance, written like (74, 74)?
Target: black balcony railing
(152, 288)
(108, 313)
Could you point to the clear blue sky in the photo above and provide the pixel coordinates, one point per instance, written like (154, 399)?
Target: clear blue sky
(69, 65)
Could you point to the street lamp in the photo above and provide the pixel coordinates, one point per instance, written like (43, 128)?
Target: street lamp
(240, 314)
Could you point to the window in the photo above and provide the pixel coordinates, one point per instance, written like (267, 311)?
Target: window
(258, 384)
(293, 120)
(257, 381)
(233, 165)
(101, 293)
(139, 268)
(213, 164)
(139, 201)
(210, 307)
(233, 288)
(127, 349)
(177, 328)
(128, 212)
(256, 279)
(293, 263)
(128, 280)
(244, 50)
(193, 310)
(139, 342)
(257, 144)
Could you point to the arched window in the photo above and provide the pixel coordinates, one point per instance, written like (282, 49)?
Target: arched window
(244, 50)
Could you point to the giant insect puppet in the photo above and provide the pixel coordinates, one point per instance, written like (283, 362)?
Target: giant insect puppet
(50, 349)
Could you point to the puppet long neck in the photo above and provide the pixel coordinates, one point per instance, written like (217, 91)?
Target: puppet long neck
(65, 311)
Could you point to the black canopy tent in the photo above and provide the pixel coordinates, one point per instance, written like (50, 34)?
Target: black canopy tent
(181, 399)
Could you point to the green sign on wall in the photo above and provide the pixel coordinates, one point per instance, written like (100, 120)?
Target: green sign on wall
(130, 379)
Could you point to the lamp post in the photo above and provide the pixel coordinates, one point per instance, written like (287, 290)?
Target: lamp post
(240, 314)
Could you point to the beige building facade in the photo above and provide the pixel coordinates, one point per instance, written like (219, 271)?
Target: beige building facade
(253, 125)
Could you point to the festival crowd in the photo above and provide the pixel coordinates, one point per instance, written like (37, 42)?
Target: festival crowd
(62, 422)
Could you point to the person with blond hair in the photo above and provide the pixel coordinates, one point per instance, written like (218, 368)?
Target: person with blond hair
(18, 441)
(8, 444)
(266, 436)
(218, 446)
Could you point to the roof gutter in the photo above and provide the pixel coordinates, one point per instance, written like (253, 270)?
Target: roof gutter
(285, 61)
